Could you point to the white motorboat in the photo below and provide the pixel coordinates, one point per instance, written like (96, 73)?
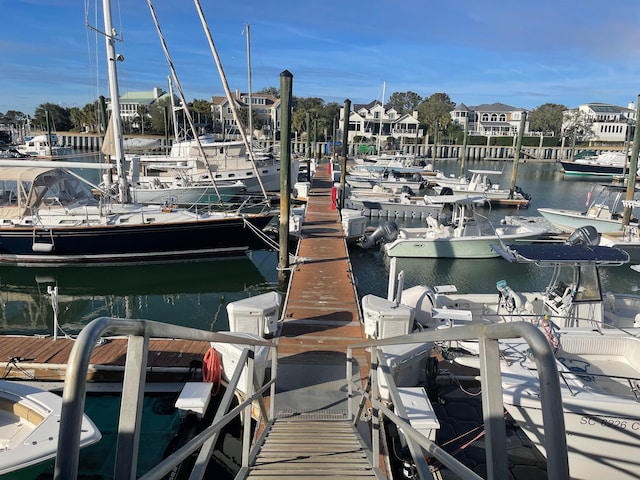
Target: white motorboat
(393, 205)
(29, 426)
(603, 211)
(628, 238)
(480, 183)
(600, 377)
(469, 234)
(389, 181)
(572, 299)
(43, 146)
(595, 339)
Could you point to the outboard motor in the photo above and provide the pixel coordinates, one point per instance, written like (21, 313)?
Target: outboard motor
(587, 235)
(407, 189)
(387, 232)
(519, 190)
(446, 191)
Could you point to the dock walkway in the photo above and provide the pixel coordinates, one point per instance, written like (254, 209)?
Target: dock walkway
(312, 434)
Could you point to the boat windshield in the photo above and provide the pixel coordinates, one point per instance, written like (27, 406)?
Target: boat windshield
(588, 285)
(59, 187)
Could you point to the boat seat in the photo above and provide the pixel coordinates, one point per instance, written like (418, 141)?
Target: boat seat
(21, 410)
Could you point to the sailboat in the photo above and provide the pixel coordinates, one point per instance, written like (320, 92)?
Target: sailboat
(50, 215)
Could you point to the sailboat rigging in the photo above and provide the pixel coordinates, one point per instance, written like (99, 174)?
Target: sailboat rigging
(52, 217)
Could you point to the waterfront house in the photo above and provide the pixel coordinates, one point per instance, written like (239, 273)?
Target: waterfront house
(490, 119)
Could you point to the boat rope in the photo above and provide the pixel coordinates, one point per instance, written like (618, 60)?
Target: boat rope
(212, 370)
(267, 240)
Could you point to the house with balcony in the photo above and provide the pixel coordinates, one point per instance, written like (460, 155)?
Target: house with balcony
(495, 119)
(373, 119)
(609, 123)
(265, 110)
(133, 104)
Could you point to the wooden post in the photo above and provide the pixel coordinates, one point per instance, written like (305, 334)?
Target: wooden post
(463, 158)
(286, 84)
(343, 157)
(516, 155)
(633, 168)
(308, 149)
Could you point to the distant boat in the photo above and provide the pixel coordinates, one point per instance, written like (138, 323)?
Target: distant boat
(43, 146)
(607, 164)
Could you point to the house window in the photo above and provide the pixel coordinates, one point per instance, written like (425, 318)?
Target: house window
(503, 117)
(485, 117)
(376, 115)
(494, 117)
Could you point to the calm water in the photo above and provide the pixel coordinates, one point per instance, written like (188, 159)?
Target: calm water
(196, 294)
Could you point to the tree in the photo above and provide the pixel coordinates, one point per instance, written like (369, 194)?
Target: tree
(270, 91)
(434, 113)
(577, 126)
(59, 117)
(547, 118)
(404, 102)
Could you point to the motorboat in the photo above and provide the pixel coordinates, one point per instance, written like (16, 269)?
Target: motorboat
(468, 235)
(600, 375)
(45, 145)
(628, 237)
(604, 211)
(594, 337)
(605, 164)
(29, 429)
(480, 183)
(50, 216)
(572, 299)
(378, 203)
(386, 180)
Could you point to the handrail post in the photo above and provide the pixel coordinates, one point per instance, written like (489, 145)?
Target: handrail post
(131, 407)
(375, 421)
(246, 432)
(493, 409)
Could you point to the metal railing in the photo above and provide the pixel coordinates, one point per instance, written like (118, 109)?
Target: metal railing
(139, 332)
(487, 336)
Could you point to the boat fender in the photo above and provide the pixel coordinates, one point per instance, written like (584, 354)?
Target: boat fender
(212, 369)
(294, 193)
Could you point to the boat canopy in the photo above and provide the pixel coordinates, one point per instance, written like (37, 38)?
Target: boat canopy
(547, 254)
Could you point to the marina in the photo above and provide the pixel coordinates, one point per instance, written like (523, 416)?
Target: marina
(314, 334)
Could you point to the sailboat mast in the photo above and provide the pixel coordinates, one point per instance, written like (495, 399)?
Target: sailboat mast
(250, 111)
(230, 99)
(110, 36)
(384, 85)
(174, 109)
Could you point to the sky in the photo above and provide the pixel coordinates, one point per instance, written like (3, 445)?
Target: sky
(523, 54)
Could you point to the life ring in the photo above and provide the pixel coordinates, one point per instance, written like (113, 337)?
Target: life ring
(212, 369)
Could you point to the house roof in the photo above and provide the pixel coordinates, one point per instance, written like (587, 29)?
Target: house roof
(142, 98)
(461, 107)
(496, 107)
(606, 108)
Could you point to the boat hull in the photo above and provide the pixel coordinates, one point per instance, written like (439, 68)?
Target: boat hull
(581, 169)
(140, 243)
(569, 220)
(599, 445)
(455, 247)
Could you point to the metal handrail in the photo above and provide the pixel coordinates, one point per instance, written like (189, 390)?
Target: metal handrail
(487, 336)
(139, 333)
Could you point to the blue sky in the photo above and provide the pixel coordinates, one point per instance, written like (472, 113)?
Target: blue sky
(520, 53)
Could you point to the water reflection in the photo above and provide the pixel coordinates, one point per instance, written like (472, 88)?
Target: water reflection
(192, 294)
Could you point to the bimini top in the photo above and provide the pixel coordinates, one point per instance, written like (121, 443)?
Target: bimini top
(557, 254)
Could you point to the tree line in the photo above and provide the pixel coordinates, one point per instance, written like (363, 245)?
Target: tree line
(433, 115)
